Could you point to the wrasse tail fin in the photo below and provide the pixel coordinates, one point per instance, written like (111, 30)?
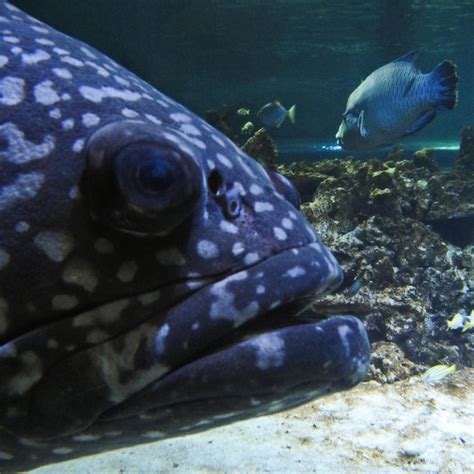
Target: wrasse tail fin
(292, 113)
(445, 78)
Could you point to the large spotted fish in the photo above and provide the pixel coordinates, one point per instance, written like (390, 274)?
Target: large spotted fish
(146, 263)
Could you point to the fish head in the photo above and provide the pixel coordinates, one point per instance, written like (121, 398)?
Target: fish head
(148, 265)
(351, 134)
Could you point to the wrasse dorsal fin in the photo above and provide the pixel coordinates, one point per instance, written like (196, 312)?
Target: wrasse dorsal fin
(421, 122)
(409, 57)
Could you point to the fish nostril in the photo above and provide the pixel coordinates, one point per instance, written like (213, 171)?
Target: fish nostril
(215, 182)
(233, 208)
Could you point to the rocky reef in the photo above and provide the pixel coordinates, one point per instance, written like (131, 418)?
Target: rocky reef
(403, 231)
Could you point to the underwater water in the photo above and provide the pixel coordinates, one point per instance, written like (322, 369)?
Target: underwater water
(245, 53)
(398, 220)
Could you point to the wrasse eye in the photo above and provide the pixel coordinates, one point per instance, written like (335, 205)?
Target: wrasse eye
(138, 183)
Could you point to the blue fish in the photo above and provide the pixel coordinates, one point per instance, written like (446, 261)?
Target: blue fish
(396, 101)
(274, 114)
(149, 268)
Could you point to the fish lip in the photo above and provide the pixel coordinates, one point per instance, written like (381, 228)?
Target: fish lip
(288, 309)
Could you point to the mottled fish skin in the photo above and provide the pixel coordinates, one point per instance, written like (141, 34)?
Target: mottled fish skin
(123, 326)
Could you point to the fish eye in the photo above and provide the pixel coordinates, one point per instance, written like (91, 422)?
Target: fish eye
(137, 183)
(155, 175)
(150, 168)
(285, 187)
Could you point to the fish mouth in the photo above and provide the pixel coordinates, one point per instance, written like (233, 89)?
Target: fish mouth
(235, 342)
(274, 360)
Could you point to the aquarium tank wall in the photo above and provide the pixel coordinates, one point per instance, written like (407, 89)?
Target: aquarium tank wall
(244, 53)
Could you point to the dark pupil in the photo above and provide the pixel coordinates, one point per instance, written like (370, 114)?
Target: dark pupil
(155, 176)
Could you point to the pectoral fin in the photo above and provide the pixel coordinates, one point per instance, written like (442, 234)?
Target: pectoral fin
(421, 122)
(361, 125)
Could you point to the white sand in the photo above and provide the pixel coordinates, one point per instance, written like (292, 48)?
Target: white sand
(405, 427)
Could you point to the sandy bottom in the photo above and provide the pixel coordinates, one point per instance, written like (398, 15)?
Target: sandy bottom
(405, 427)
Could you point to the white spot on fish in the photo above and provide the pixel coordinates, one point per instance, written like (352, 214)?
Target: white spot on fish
(190, 129)
(74, 192)
(11, 90)
(150, 297)
(153, 434)
(22, 226)
(207, 249)
(40, 29)
(3, 61)
(44, 41)
(18, 149)
(16, 50)
(99, 69)
(260, 290)
(160, 338)
(88, 52)
(286, 223)
(55, 113)
(238, 248)
(29, 371)
(26, 186)
(279, 233)
(270, 350)
(218, 140)
(263, 206)
(36, 57)
(56, 245)
(68, 124)
(122, 81)
(60, 51)
(62, 450)
(228, 227)
(153, 119)
(45, 94)
(344, 332)
(251, 258)
(180, 117)
(256, 189)
(4, 456)
(82, 274)
(295, 272)
(10, 39)
(224, 160)
(127, 271)
(97, 95)
(89, 119)
(86, 438)
(129, 113)
(72, 61)
(64, 302)
(78, 145)
(61, 72)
